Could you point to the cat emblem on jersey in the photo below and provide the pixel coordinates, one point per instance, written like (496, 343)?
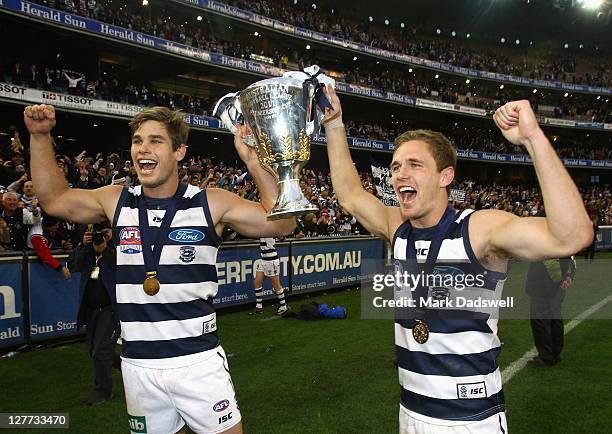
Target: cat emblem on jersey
(420, 332)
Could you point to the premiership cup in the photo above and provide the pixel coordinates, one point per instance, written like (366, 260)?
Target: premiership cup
(281, 115)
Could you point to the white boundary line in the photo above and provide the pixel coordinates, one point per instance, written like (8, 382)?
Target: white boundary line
(519, 364)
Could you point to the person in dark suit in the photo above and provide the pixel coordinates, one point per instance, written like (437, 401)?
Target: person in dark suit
(546, 284)
(95, 258)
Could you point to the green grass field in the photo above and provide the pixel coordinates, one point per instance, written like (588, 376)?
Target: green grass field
(331, 376)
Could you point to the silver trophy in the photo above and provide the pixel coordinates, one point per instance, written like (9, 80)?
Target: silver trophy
(282, 118)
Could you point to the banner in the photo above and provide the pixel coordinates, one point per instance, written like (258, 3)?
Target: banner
(323, 264)
(12, 327)
(410, 60)
(457, 195)
(236, 272)
(382, 181)
(54, 302)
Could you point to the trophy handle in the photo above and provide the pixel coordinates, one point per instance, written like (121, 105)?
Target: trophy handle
(229, 111)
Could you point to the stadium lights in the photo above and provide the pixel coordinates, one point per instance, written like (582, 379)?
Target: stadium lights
(354, 58)
(438, 31)
(467, 81)
(591, 4)
(501, 86)
(386, 22)
(599, 97)
(256, 34)
(402, 25)
(409, 69)
(517, 42)
(535, 91)
(332, 11)
(314, 6)
(95, 125)
(370, 18)
(530, 42)
(453, 33)
(199, 17)
(566, 94)
(294, 2)
(503, 40)
(437, 76)
(566, 45)
(308, 47)
(145, 2)
(580, 46)
(468, 36)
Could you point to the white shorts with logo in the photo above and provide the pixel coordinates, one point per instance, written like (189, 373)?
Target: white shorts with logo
(269, 268)
(409, 424)
(201, 394)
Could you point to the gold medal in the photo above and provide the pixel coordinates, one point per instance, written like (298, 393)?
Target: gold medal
(420, 332)
(95, 273)
(151, 284)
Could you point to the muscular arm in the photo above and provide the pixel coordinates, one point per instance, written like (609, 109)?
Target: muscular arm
(79, 206)
(566, 228)
(377, 218)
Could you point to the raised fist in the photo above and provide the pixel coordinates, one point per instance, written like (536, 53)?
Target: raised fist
(39, 119)
(517, 122)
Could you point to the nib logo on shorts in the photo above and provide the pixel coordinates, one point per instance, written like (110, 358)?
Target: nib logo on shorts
(138, 424)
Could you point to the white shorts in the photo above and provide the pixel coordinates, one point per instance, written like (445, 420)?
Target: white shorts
(495, 424)
(269, 268)
(161, 401)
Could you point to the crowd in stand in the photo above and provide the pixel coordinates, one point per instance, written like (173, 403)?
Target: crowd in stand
(472, 138)
(20, 210)
(559, 67)
(160, 23)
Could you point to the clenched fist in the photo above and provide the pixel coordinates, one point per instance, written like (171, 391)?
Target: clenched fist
(39, 119)
(517, 122)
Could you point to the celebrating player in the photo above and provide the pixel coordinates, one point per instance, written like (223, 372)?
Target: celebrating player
(174, 369)
(448, 368)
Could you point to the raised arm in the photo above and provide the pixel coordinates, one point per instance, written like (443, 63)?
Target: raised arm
(376, 217)
(79, 206)
(566, 229)
(246, 217)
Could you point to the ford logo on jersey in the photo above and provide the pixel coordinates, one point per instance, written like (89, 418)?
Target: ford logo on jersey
(221, 405)
(186, 235)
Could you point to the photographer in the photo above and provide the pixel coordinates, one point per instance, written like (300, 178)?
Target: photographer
(95, 258)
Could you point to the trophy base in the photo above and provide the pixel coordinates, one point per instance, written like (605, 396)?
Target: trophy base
(291, 201)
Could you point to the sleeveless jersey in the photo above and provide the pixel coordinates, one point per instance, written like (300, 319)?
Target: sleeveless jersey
(454, 374)
(180, 319)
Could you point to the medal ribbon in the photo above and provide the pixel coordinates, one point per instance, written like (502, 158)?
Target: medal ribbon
(151, 256)
(443, 227)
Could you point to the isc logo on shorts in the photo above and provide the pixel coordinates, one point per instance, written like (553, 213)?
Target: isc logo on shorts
(472, 390)
(138, 424)
(129, 240)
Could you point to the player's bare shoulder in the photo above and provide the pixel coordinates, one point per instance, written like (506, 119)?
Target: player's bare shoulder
(481, 228)
(108, 196)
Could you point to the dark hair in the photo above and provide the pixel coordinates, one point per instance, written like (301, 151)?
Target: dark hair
(178, 130)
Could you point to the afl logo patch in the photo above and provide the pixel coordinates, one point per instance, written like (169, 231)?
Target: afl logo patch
(129, 240)
(221, 405)
(186, 235)
(187, 253)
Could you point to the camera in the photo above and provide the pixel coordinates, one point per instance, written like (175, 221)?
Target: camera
(97, 237)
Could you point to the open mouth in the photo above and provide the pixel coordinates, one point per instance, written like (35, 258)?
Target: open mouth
(147, 166)
(407, 193)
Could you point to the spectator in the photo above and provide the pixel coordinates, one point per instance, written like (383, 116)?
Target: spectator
(18, 220)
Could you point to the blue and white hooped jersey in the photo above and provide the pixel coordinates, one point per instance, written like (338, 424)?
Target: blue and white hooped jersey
(454, 375)
(267, 247)
(180, 319)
